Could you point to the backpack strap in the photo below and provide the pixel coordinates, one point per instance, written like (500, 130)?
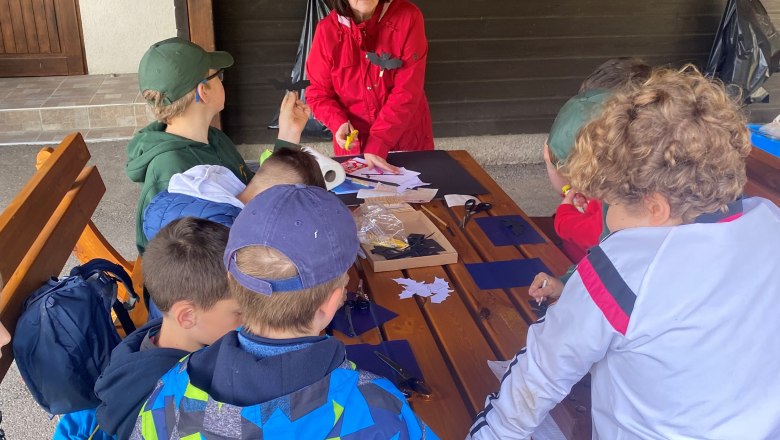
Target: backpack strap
(120, 308)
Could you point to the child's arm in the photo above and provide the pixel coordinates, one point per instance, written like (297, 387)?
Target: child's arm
(557, 355)
(293, 115)
(583, 229)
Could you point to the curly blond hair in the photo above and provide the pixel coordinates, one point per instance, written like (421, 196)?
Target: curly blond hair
(677, 134)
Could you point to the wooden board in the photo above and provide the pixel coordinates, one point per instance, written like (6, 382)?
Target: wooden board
(41, 38)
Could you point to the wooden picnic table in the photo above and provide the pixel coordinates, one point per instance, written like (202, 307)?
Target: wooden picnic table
(453, 340)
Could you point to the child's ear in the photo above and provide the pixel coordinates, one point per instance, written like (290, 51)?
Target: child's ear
(184, 313)
(328, 308)
(658, 209)
(202, 92)
(334, 302)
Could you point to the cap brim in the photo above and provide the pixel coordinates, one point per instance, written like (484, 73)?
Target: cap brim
(220, 60)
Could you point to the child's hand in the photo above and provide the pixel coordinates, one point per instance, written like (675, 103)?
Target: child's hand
(553, 287)
(568, 198)
(293, 115)
(580, 202)
(576, 199)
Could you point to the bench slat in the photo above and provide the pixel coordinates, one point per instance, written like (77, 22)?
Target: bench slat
(47, 255)
(31, 209)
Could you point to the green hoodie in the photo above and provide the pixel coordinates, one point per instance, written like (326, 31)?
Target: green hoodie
(153, 156)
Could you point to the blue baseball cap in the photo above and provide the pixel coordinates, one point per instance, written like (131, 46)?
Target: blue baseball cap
(307, 224)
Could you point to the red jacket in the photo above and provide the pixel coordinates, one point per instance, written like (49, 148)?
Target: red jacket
(388, 108)
(579, 231)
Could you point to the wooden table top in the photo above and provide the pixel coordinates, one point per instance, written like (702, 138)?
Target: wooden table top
(453, 340)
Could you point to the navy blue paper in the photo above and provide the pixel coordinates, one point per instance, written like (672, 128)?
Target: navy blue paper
(508, 230)
(362, 321)
(400, 351)
(506, 274)
(349, 187)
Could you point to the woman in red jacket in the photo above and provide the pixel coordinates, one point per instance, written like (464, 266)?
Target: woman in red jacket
(367, 69)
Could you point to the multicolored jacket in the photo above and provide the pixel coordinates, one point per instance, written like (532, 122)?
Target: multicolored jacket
(225, 392)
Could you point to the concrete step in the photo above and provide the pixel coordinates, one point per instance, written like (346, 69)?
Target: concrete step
(39, 111)
(43, 110)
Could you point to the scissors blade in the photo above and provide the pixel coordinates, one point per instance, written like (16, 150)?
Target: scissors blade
(402, 374)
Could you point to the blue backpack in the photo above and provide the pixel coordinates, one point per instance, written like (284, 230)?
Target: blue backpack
(65, 335)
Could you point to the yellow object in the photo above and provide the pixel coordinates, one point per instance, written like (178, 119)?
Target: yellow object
(566, 188)
(265, 155)
(351, 137)
(392, 243)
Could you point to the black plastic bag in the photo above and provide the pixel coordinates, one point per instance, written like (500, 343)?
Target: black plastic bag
(746, 50)
(316, 10)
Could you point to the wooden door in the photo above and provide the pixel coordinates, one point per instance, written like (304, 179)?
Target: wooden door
(40, 38)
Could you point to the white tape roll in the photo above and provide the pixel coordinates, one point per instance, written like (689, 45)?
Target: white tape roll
(331, 170)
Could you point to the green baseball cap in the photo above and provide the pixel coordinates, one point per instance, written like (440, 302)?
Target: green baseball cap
(577, 112)
(175, 66)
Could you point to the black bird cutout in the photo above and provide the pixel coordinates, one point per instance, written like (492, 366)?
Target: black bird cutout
(384, 61)
(289, 85)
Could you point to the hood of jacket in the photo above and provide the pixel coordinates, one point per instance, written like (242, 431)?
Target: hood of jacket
(233, 376)
(130, 378)
(150, 142)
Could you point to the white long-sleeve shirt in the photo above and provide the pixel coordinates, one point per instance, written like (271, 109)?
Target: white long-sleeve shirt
(679, 327)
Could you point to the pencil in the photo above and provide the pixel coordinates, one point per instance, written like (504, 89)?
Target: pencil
(541, 298)
(441, 222)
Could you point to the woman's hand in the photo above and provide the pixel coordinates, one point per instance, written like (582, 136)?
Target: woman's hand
(342, 133)
(293, 115)
(377, 162)
(553, 287)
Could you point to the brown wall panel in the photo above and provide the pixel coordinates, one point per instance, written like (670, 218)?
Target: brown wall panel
(41, 27)
(7, 27)
(17, 23)
(494, 66)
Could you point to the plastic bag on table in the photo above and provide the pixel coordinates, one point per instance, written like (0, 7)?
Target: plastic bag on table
(316, 10)
(771, 129)
(746, 50)
(378, 226)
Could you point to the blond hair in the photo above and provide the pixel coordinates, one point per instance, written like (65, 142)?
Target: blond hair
(292, 310)
(678, 134)
(164, 113)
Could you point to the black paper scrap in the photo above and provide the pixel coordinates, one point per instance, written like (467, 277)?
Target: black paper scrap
(384, 61)
(289, 85)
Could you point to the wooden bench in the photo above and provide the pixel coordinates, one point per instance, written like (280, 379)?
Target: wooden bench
(46, 221)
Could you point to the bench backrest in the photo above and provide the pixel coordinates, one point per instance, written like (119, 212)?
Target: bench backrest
(43, 224)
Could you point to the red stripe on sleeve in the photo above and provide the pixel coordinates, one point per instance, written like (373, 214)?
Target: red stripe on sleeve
(601, 296)
(730, 218)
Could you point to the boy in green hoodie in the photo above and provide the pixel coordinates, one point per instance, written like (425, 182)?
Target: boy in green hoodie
(182, 84)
